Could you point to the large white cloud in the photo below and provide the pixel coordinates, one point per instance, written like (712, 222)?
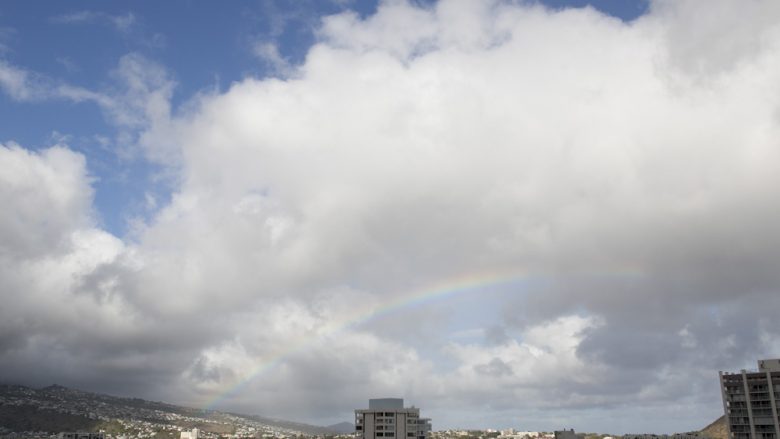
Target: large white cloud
(49, 247)
(629, 168)
(50, 195)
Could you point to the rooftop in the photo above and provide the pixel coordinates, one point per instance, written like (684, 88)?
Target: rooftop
(386, 404)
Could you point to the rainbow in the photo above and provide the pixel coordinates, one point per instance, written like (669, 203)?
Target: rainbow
(432, 292)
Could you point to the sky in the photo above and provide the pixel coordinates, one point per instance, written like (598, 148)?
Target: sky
(537, 215)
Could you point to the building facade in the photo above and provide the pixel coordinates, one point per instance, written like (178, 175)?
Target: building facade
(388, 418)
(568, 434)
(750, 401)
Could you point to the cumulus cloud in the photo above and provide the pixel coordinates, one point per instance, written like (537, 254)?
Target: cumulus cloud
(726, 36)
(137, 104)
(6, 34)
(269, 53)
(127, 25)
(538, 368)
(68, 313)
(50, 195)
(122, 23)
(23, 85)
(629, 169)
(17, 83)
(49, 245)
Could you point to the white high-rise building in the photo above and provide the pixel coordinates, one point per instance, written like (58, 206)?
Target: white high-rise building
(388, 418)
(751, 400)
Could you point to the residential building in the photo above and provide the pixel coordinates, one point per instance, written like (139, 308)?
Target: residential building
(511, 433)
(388, 418)
(750, 401)
(80, 435)
(568, 434)
(193, 434)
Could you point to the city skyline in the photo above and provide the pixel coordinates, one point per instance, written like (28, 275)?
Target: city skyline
(526, 214)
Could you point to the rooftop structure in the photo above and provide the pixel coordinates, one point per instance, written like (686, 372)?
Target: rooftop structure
(750, 401)
(385, 403)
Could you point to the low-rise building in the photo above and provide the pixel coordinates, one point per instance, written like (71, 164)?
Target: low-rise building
(505, 434)
(692, 435)
(80, 435)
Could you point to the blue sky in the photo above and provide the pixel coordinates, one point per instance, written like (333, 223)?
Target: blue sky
(190, 188)
(203, 47)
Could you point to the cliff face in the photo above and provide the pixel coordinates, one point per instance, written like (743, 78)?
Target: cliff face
(717, 430)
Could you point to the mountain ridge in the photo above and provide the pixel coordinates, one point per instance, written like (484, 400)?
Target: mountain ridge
(717, 429)
(57, 408)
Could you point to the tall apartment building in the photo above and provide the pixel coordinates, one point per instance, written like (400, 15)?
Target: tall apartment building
(750, 401)
(388, 418)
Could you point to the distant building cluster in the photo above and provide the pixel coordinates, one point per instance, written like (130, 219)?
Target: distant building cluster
(490, 434)
(192, 434)
(751, 399)
(388, 418)
(80, 435)
(511, 433)
(692, 435)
